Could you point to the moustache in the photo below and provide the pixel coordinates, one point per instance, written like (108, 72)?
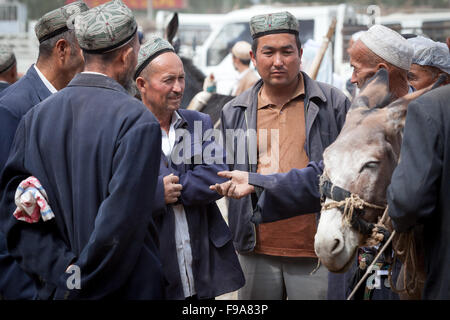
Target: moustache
(175, 95)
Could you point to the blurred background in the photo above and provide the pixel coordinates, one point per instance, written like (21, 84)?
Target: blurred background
(207, 29)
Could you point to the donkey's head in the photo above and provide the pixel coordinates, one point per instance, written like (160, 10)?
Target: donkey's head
(360, 162)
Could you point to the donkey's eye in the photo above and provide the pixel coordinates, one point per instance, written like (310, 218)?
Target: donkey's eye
(370, 165)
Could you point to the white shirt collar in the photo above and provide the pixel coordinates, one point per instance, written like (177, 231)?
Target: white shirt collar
(47, 83)
(93, 72)
(168, 140)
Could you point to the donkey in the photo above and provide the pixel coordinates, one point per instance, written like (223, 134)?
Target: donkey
(358, 166)
(194, 97)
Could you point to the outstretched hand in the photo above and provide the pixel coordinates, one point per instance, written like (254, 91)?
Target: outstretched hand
(237, 187)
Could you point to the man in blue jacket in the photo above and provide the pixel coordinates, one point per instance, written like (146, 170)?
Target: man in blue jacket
(197, 253)
(85, 144)
(418, 193)
(59, 60)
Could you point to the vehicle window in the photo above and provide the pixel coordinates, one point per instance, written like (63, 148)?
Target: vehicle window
(436, 30)
(306, 30)
(234, 32)
(8, 13)
(347, 31)
(227, 37)
(193, 35)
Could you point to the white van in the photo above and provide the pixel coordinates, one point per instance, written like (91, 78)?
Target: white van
(214, 57)
(435, 25)
(193, 29)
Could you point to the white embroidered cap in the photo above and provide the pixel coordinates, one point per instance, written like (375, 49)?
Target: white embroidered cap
(388, 45)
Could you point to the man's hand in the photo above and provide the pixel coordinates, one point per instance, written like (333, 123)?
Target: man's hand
(237, 187)
(172, 190)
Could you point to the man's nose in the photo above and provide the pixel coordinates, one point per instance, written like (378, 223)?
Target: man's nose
(278, 60)
(178, 87)
(354, 79)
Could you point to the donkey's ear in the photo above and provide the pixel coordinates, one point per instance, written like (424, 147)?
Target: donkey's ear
(172, 28)
(397, 109)
(375, 93)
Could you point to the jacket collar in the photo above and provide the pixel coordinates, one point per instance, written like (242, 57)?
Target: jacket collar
(41, 90)
(96, 80)
(182, 123)
(312, 91)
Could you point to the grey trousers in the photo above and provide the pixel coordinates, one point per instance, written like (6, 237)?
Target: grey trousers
(278, 278)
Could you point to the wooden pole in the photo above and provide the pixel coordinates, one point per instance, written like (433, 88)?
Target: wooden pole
(314, 68)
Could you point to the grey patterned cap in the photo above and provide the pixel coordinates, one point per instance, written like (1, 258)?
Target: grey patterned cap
(105, 27)
(279, 22)
(430, 53)
(150, 50)
(58, 21)
(7, 58)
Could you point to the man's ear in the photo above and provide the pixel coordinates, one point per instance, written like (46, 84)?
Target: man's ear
(126, 54)
(140, 83)
(62, 48)
(253, 57)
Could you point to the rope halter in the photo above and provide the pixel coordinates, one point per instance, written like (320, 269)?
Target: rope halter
(350, 204)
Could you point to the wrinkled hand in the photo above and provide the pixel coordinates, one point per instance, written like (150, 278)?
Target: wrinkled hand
(237, 187)
(172, 189)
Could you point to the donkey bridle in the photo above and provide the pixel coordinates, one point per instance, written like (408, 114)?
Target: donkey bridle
(338, 194)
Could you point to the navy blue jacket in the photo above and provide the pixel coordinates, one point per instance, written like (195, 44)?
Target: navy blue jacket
(216, 269)
(285, 195)
(15, 101)
(419, 189)
(96, 151)
(3, 86)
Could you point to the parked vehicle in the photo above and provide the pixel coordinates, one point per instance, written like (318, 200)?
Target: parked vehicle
(435, 25)
(193, 28)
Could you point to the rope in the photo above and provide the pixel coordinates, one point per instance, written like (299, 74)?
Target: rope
(349, 204)
(405, 246)
(369, 269)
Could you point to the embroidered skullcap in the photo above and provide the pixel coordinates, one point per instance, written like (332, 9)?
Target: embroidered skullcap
(280, 22)
(430, 53)
(105, 28)
(58, 21)
(7, 58)
(388, 45)
(150, 50)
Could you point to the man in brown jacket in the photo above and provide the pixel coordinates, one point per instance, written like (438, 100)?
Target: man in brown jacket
(282, 122)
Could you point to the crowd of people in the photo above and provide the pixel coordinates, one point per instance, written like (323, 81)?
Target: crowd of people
(105, 195)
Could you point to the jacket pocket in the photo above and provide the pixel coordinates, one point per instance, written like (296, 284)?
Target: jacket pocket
(219, 233)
